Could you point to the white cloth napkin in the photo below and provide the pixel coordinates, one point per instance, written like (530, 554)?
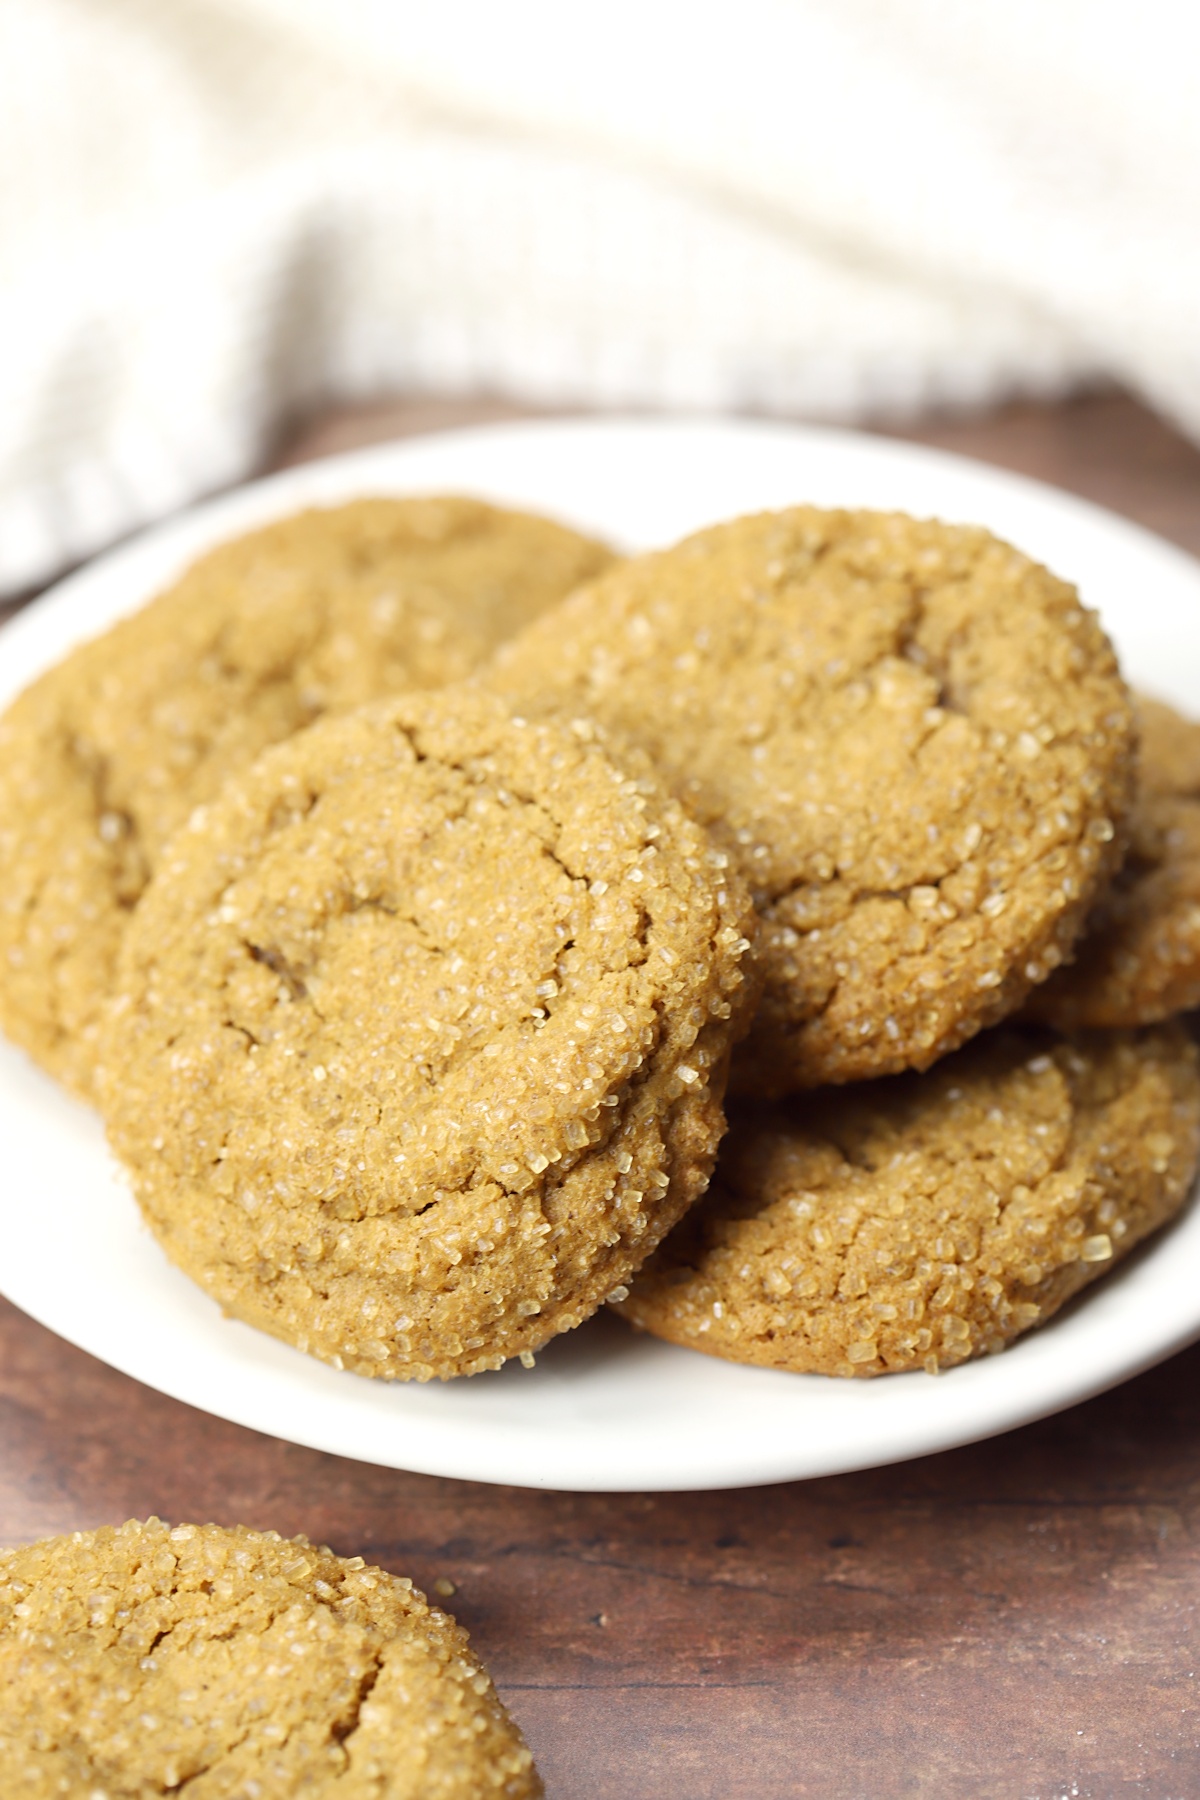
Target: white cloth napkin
(216, 212)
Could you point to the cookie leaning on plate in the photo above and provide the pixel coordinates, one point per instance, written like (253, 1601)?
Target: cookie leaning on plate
(914, 742)
(105, 756)
(1139, 959)
(921, 1220)
(142, 1660)
(422, 1034)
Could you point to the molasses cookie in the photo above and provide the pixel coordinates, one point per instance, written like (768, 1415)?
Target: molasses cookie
(422, 1033)
(143, 1660)
(912, 740)
(106, 755)
(1139, 959)
(918, 1221)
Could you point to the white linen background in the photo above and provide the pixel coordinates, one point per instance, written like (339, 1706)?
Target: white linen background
(214, 213)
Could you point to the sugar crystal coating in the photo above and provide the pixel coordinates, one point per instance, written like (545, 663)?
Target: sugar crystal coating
(238, 1665)
(927, 1218)
(912, 740)
(106, 754)
(422, 1034)
(1139, 958)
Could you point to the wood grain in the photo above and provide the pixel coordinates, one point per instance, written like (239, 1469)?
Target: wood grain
(1017, 1619)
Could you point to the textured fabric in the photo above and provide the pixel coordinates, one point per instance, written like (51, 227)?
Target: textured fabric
(217, 211)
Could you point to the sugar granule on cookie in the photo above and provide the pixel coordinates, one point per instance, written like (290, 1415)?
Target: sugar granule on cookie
(924, 1219)
(422, 1034)
(142, 1660)
(103, 758)
(913, 741)
(1139, 958)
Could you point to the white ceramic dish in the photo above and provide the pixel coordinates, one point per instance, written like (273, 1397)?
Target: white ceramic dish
(603, 1409)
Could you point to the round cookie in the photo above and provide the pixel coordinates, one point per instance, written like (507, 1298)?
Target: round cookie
(1139, 958)
(913, 741)
(104, 757)
(422, 1034)
(924, 1219)
(142, 1660)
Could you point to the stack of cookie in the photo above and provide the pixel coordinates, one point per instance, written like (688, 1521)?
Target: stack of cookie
(915, 745)
(409, 919)
(412, 1030)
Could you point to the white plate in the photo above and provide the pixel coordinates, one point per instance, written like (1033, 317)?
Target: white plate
(603, 1409)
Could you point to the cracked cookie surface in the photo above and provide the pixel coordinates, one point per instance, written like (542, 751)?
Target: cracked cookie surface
(421, 1034)
(228, 1664)
(103, 758)
(918, 1221)
(913, 741)
(1139, 958)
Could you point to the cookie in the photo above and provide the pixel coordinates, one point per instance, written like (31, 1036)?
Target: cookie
(912, 740)
(105, 756)
(918, 1221)
(422, 1034)
(1139, 959)
(141, 1660)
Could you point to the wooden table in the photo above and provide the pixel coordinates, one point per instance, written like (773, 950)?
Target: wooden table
(1017, 1619)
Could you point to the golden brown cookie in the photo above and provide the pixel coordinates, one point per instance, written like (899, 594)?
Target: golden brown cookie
(914, 742)
(238, 1665)
(422, 1033)
(921, 1220)
(1139, 958)
(105, 756)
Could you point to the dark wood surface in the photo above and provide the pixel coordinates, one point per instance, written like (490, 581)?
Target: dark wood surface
(1017, 1619)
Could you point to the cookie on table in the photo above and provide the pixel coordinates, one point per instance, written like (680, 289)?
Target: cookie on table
(140, 1660)
(918, 1221)
(422, 1033)
(106, 755)
(1139, 958)
(913, 741)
